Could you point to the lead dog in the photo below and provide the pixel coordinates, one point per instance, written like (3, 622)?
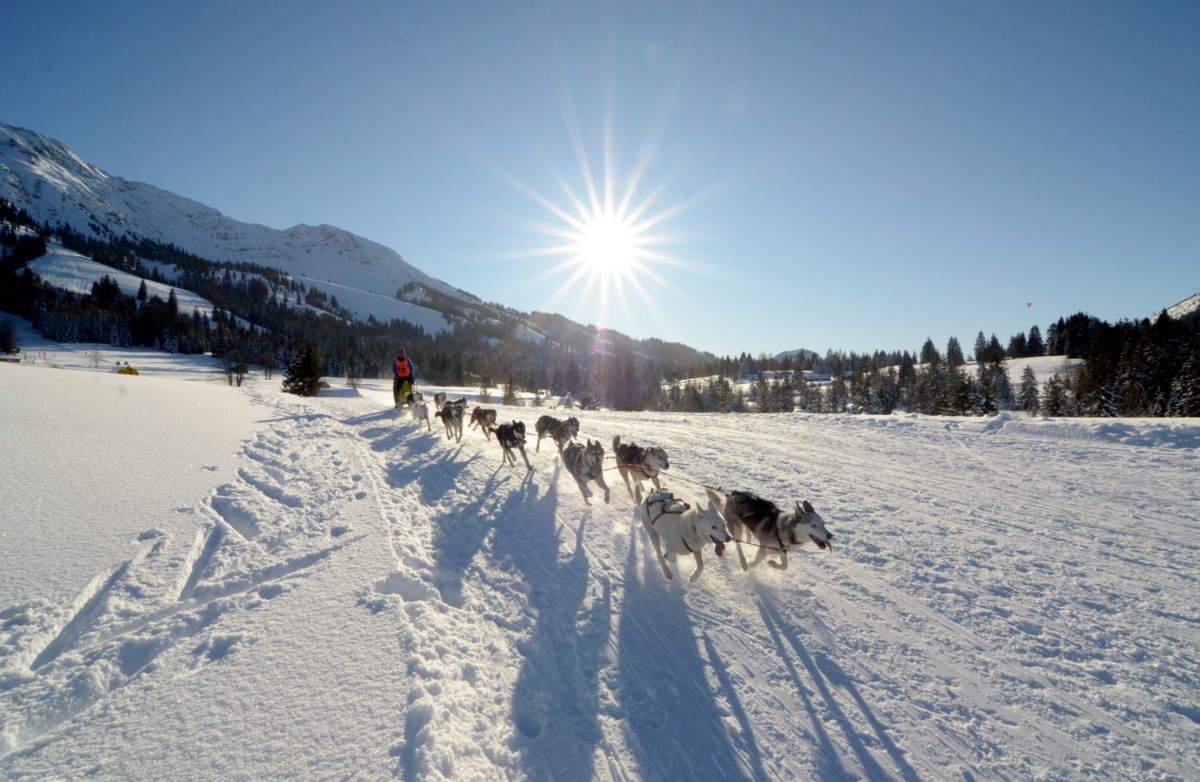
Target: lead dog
(561, 432)
(775, 529)
(641, 463)
(512, 438)
(452, 417)
(677, 528)
(586, 464)
(485, 419)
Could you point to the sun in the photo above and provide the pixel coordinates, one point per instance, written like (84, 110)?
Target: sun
(608, 245)
(608, 250)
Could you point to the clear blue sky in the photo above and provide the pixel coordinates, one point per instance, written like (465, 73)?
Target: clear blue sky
(849, 175)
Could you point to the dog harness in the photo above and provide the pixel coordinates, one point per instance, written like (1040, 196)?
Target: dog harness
(667, 503)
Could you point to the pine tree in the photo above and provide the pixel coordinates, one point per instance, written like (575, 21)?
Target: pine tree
(760, 394)
(303, 376)
(985, 399)
(1029, 396)
(1185, 390)
(954, 354)
(1018, 346)
(8, 335)
(980, 347)
(1054, 402)
(929, 353)
(837, 395)
(1035, 346)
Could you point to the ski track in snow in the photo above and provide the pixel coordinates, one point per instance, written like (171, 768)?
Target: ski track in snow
(959, 630)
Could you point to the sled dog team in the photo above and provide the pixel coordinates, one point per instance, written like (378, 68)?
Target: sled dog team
(673, 526)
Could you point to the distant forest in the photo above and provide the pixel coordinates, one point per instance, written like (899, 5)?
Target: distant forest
(263, 318)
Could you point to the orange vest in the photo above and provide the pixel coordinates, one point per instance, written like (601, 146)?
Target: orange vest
(401, 368)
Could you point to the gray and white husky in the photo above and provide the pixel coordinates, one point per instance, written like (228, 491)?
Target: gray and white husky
(420, 412)
(640, 463)
(586, 464)
(561, 432)
(774, 529)
(512, 438)
(675, 527)
(452, 417)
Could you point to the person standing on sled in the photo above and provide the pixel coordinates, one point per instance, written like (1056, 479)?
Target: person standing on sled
(402, 377)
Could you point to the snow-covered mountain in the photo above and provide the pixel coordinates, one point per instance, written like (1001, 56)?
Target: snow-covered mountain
(1188, 306)
(54, 185)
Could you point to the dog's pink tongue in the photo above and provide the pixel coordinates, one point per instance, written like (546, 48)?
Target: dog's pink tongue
(720, 546)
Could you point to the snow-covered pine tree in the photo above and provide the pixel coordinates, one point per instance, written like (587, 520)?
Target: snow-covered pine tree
(303, 376)
(1054, 401)
(1029, 397)
(1185, 389)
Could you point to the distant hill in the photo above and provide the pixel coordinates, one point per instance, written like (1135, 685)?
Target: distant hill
(799, 353)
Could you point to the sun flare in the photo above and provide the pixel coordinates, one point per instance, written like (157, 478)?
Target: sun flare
(611, 249)
(608, 245)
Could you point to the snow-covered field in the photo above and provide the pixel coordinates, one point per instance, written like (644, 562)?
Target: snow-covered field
(211, 583)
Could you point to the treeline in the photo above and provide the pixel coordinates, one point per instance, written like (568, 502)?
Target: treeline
(1143, 368)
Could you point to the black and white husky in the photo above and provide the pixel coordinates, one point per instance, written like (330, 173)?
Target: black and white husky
(586, 464)
(675, 527)
(774, 529)
(561, 432)
(512, 438)
(452, 417)
(641, 463)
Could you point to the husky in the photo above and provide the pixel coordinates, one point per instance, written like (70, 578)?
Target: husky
(586, 464)
(512, 437)
(561, 432)
(439, 400)
(485, 418)
(775, 529)
(452, 417)
(641, 463)
(675, 527)
(420, 412)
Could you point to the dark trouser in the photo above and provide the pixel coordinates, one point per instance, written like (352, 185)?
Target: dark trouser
(401, 387)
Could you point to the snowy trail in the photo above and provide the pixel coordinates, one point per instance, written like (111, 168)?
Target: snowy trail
(839, 625)
(1007, 599)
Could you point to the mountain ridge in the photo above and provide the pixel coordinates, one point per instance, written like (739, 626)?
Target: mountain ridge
(107, 206)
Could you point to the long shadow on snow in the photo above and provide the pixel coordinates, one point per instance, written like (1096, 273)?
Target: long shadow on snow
(555, 702)
(675, 725)
(458, 533)
(825, 674)
(411, 442)
(412, 448)
(726, 685)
